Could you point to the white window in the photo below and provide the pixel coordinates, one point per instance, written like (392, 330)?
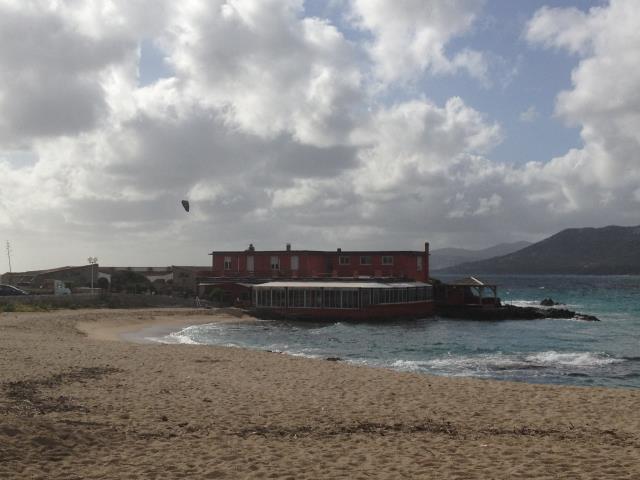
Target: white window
(419, 264)
(250, 265)
(344, 260)
(275, 262)
(295, 262)
(387, 260)
(365, 260)
(227, 263)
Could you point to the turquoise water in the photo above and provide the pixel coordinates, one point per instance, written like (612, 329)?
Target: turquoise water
(605, 353)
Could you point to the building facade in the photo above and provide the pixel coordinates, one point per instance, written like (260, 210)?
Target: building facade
(314, 264)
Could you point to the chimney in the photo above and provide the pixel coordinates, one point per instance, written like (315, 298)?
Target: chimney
(426, 261)
(339, 250)
(288, 247)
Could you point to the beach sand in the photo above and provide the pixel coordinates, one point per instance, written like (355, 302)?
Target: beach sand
(77, 402)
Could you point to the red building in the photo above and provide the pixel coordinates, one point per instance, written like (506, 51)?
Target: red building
(314, 264)
(324, 284)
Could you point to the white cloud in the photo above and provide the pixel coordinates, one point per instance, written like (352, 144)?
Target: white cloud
(604, 99)
(530, 114)
(568, 28)
(271, 70)
(410, 36)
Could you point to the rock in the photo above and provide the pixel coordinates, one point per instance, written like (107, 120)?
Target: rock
(548, 302)
(333, 359)
(511, 312)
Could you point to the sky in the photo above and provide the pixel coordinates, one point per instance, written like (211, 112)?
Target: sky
(359, 124)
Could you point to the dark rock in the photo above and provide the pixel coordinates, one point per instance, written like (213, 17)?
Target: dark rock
(548, 302)
(333, 359)
(164, 418)
(510, 312)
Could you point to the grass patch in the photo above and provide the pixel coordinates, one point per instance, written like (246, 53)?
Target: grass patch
(24, 307)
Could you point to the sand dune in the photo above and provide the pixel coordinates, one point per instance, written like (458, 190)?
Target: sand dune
(75, 404)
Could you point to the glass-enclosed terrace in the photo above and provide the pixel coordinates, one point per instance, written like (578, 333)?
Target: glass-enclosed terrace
(346, 295)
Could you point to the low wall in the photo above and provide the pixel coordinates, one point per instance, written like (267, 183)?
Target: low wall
(102, 300)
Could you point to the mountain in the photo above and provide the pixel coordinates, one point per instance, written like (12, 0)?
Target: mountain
(448, 257)
(598, 251)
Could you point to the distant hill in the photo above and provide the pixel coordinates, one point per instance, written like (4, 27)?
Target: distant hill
(599, 251)
(448, 257)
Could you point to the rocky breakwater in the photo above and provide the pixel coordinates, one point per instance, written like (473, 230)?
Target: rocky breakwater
(510, 312)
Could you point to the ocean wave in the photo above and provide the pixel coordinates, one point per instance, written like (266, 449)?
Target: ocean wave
(177, 338)
(536, 304)
(522, 303)
(573, 359)
(407, 365)
(498, 362)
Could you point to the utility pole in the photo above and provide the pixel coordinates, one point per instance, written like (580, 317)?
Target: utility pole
(92, 261)
(9, 254)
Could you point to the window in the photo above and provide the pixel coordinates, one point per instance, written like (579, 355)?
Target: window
(250, 265)
(295, 262)
(344, 260)
(387, 260)
(296, 298)
(227, 263)
(365, 260)
(419, 264)
(275, 263)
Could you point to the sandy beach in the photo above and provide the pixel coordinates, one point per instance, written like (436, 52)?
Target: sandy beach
(77, 401)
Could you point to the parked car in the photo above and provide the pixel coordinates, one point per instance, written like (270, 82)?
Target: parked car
(10, 290)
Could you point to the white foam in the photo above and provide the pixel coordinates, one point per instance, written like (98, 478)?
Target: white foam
(407, 365)
(574, 359)
(522, 303)
(485, 363)
(174, 338)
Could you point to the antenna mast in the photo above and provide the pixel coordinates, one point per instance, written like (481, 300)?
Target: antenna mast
(9, 254)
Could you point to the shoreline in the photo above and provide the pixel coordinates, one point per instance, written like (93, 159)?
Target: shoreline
(74, 403)
(151, 331)
(159, 322)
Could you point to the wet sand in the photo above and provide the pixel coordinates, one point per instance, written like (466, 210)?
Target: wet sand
(78, 402)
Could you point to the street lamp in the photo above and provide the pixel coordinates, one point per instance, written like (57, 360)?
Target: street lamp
(92, 261)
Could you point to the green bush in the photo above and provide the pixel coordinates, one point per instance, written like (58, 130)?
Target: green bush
(130, 282)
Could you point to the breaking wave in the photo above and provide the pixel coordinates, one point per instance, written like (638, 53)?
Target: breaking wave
(490, 364)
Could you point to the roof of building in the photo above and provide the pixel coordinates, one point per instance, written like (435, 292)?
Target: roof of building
(333, 252)
(470, 282)
(50, 270)
(303, 284)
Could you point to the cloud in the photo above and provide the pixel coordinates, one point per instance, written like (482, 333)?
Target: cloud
(530, 114)
(276, 130)
(52, 70)
(409, 36)
(562, 28)
(606, 106)
(272, 70)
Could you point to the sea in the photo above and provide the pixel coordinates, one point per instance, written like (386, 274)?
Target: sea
(551, 351)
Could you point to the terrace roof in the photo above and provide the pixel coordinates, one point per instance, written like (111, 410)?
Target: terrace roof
(295, 284)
